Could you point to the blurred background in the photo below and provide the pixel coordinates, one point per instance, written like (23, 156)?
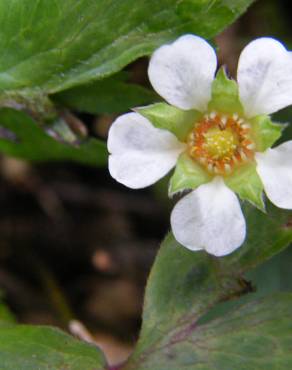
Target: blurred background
(77, 245)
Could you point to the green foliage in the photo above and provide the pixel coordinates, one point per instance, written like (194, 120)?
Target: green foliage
(251, 337)
(24, 138)
(53, 45)
(30, 347)
(217, 10)
(273, 276)
(111, 95)
(184, 286)
(50, 46)
(59, 49)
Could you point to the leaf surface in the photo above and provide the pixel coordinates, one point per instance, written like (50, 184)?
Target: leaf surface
(30, 347)
(110, 95)
(49, 46)
(184, 286)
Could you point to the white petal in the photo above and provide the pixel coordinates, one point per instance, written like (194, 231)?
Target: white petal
(265, 77)
(209, 218)
(140, 153)
(275, 170)
(182, 72)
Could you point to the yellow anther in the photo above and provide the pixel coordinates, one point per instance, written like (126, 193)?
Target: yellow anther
(220, 143)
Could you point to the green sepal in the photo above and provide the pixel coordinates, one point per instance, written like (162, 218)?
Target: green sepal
(247, 184)
(225, 96)
(170, 118)
(187, 175)
(265, 132)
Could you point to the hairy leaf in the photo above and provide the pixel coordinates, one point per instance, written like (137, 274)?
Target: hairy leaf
(48, 45)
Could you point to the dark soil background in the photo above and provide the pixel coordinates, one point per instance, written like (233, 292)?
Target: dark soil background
(77, 245)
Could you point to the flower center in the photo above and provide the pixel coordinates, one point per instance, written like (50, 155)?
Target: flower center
(220, 142)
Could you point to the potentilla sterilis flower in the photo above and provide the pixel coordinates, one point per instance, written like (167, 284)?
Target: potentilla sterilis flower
(216, 133)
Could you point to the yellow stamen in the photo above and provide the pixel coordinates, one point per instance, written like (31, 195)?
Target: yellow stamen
(221, 142)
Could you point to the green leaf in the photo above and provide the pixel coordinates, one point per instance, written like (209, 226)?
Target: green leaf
(170, 118)
(267, 234)
(273, 276)
(184, 286)
(225, 97)
(217, 10)
(265, 132)
(31, 347)
(111, 95)
(24, 138)
(247, 184)
(50, 46)
(253, 336)
(187, 175)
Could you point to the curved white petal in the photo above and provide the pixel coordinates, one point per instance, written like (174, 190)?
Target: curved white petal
(140, 153)
(265, 77)
(275, 170)
(209, 218)
(182, 72)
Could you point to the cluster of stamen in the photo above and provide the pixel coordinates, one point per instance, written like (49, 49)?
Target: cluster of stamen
(220, 142)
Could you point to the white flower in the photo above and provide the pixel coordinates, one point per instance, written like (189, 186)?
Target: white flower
(210, 216)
